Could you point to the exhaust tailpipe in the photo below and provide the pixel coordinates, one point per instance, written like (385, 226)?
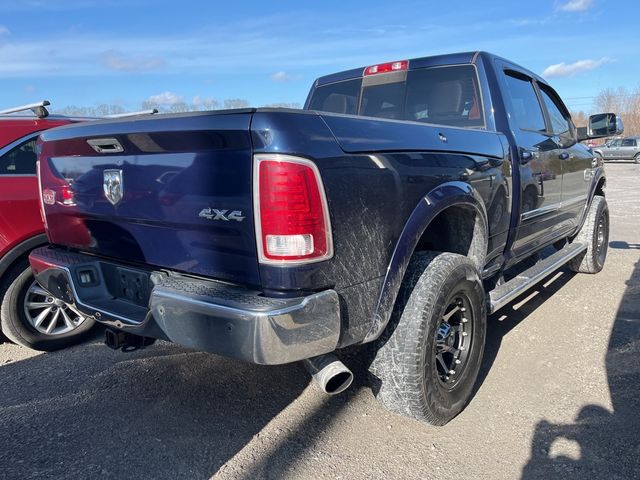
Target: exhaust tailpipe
(330, 373)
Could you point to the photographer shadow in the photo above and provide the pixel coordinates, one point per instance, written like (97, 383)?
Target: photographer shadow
(606, 444)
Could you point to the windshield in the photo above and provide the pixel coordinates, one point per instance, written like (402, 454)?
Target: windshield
(442, 95)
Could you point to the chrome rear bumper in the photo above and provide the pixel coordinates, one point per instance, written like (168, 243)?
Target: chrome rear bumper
(201, 314)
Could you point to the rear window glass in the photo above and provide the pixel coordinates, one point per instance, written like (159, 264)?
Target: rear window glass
(628, 142)
(340, 97)
(441, 95)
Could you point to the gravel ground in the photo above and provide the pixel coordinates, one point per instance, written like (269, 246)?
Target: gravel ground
(559, 398)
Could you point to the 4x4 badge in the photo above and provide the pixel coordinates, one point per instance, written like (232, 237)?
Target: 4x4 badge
(113, 186)
(214, 214)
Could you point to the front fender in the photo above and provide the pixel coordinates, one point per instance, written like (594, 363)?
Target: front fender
(598, 178)
(435, 202)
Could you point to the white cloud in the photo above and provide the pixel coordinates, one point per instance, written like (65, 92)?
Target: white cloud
(576, 5)
(283, 76)
(166, 98)
(570, 69)
(115, 60)
(4, 31)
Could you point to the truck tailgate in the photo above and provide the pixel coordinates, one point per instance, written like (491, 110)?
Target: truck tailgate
(171, 191)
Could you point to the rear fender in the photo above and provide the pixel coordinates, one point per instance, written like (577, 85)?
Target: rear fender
(435, 202)
(20, 250)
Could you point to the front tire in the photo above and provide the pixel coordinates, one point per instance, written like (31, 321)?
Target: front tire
(428, 359)
(595, 234)
(31, 317)
(636, 159)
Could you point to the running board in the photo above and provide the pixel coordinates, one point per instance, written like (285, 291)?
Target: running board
(503, 294)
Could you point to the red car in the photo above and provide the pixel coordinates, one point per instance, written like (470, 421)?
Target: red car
(29, 315)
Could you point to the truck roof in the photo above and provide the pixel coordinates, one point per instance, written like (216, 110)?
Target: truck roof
(422, 62)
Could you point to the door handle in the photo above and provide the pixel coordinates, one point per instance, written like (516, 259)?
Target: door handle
(105, 145)
(527, 155)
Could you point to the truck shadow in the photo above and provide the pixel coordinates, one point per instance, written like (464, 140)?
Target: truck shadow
(608, 441)
(164, 412)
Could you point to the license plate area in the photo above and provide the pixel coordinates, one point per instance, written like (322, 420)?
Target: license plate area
(130, 285)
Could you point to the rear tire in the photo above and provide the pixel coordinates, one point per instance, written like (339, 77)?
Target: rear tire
(428, 358)
(595, 234)
(16, 286)
(636, 159)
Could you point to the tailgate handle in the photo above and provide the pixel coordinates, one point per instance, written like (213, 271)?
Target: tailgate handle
(105, 145)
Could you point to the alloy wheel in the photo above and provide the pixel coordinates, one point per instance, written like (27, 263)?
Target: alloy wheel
(49, 315)
(453, 340)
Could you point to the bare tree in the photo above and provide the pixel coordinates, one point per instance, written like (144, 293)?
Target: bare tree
(198, 104)
(205, 104)
(149, 105)
(579, 118)
(294, 105)
(623, 102)
(82, 111)
(179, 107)
(230, 103)
(106, 109)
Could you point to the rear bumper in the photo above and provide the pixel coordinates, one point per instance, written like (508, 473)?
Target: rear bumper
(205, 315)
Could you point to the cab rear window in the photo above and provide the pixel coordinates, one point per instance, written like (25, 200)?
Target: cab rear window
(339, 97)
(441, 95)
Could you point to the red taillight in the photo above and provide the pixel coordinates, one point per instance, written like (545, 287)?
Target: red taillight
(387, 67)
(67, 196)
(58, 192)
(62, 195)
(292, 221)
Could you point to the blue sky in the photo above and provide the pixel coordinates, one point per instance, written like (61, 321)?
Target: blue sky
(123, 52)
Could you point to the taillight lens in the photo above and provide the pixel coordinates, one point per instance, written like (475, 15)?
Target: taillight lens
(292, 219)
(62, 195)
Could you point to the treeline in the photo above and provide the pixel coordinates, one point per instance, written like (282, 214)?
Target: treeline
(622, 101)
(177, 107)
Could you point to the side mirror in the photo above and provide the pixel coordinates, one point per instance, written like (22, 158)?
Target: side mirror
(604, 125)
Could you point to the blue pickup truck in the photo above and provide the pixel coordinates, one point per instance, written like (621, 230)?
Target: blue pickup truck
(394, 213)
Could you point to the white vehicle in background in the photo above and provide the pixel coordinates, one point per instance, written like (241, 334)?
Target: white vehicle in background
(620, 149)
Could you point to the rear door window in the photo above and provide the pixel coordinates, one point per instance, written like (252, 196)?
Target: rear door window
(524, 101)
(20, 160)
(628, 142)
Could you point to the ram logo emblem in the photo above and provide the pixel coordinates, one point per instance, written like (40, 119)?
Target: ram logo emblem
(113, 186)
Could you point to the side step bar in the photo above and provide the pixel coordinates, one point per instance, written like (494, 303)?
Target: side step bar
(503, 294)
